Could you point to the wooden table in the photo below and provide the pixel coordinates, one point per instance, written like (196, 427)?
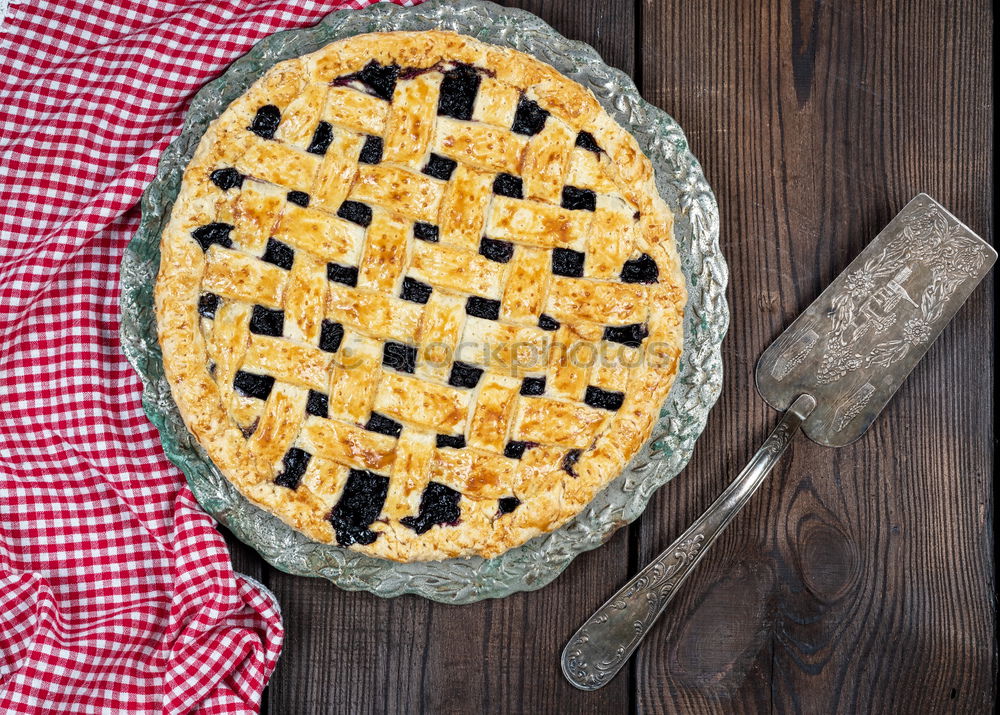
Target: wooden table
(858, 580)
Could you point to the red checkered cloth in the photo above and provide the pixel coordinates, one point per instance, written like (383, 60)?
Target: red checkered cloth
(116, 591)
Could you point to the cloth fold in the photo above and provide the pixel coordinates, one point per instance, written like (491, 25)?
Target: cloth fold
(116, 590)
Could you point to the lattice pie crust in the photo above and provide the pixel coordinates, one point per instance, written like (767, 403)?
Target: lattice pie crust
(419, 296)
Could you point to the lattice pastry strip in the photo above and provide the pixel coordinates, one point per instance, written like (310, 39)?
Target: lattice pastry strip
(423, 277)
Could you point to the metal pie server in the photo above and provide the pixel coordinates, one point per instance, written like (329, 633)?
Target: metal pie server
(832, 371)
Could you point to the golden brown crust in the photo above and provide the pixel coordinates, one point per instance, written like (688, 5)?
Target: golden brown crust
(547, 447)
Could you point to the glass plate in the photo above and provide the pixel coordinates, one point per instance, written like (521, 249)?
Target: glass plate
(682, 418)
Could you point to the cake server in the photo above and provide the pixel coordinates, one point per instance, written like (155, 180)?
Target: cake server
(832, 371)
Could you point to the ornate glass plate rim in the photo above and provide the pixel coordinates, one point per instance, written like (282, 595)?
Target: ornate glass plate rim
(531, 566)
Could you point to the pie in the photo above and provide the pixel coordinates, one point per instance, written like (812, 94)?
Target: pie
(418, 296)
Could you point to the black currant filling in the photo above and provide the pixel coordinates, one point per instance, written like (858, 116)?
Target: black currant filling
(213, 233)
(547, 322)
(227, 179)
(322, 138)
(208, 303)
(279, 254)
(371, 152)
(631, 335)
(508, 185)
(578, 199)
(515, 450)
(318, 404)
(266, 321)
(585, 140)
(603, 399)
(265, 122)
(484, 308)
(458, 92)
(438, 505)
(569, 460)
(293, 467)
(415, 291)
(383, 425)
(508, 504)
(529, 118)
(348, 275)
(640, 270)
(355, 212)
(249, 384)
(359, 506)
(299, 198)
(499, 251)
(464, 375)
(399, 356)
(448, 440)
(330, 336)
(379, 80)
(533, 386)
(567, 262)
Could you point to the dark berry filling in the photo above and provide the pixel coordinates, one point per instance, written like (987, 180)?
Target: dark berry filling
(440, 167)
(293, 467)
(604, 399)
(425, 232)
(499, 251)
(438, 505)
(249, 384)
(399, 356)
(547, 322)
(208, 303)
(631, 335)
(227, 179)
(348, 275)
(640, 270)
(380, 80)
(515, 450)
(265, 122)
(266, 321)
(464, 375)
(330, 336)
(359, 506)
(213, 233)
(415, 291)
(567, 262)
(482, 308)
(299, 198)
(569, 460)
(585, 140)
(383, 425)
(371, 152)
(458, 92)
(578, 199)
(533, 386)
(355, 212)
(321, 139)
(279, 254)
(529, 118)
(508, 185)
(508, 504)
(449, 440)
(318, 404)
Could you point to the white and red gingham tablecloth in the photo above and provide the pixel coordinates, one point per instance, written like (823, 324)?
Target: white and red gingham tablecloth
(116, 591)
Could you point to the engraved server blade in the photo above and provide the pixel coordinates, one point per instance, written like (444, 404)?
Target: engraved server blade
(853, 347)
(832, 371)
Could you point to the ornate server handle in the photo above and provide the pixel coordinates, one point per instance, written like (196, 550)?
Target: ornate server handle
(597, 651)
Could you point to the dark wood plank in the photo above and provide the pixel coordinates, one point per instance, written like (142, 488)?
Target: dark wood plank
(860, 579)
(355, 653)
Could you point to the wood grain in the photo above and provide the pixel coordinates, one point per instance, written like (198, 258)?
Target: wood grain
(859, 579)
